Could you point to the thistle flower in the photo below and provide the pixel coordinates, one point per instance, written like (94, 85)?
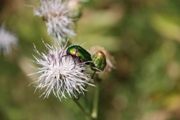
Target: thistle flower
(60, 74)
(7, 40)
(55, 14)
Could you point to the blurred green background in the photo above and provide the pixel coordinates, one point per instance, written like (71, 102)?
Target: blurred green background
(142, 35)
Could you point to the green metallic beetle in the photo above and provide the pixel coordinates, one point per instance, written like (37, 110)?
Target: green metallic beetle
(99, 60)
(80, 53)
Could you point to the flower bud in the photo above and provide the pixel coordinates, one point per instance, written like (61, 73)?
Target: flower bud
(99, 60)
(75, 8)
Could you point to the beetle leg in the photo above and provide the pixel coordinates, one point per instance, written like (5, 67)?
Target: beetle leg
(63, 56)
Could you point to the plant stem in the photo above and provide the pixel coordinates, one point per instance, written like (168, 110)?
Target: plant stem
(87, 108)
(82, 109)
(86, 102)
(94, 113)
(94, 73)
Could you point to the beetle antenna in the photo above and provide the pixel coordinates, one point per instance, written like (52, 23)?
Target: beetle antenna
(83, 44)
(66, 42)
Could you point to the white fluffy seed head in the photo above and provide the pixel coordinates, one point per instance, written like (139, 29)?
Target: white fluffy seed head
(60, 74)
(55, 14)
(7, 40)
